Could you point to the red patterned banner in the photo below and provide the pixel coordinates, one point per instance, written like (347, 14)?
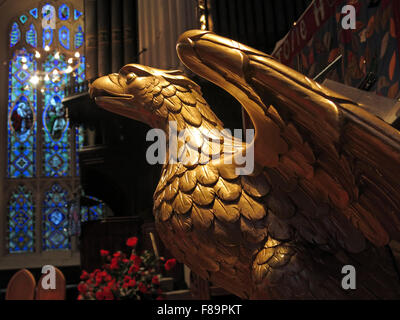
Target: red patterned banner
(318, 12)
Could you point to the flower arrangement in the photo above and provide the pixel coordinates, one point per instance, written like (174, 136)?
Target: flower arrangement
(121, 277)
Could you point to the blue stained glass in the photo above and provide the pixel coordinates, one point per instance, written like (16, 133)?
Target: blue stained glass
(22, 105)
(63, 36)
(79, 78)
(15, 34)
(56, 144)
(21, 221)
(21, 120)
(31, 36)
(77, 14)
(47, 37)
(79, 38)
(80, 71)
(63, 12)
(34, 13)
(94, 212)
(56, 132)
(23, 19)
(78, 145)
(55, 219)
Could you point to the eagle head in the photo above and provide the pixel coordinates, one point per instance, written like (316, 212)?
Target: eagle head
(138, 92)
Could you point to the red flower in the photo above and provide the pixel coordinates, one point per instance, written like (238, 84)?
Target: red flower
(119, 272)
(108, 295)
(100, 295)
(136, 260)
(170, 264)
(104, 253)
(132, 242)
(133, 269)
(132, 283)
(114, 264)
(84, 275)
(98, 280)
(160, 298)
(111, 283)
(82, 288)
(142, 288)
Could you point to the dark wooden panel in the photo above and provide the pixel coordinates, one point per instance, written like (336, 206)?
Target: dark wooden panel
(257, 23)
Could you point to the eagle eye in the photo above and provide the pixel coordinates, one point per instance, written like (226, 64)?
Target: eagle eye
(130, 77)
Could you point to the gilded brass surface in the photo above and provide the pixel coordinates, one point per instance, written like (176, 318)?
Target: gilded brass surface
(325, 192)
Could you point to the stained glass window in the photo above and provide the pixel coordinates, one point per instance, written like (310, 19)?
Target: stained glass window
(78, 145)
(79, 78)
(15, 34)
(23, 19)
(55, 219)
(21, 221)
(80, 71)
(46, 54)
(21, 117)
(79, 38)
(34, 13)
(93, 212)
(56, 146)
(77, 14)
(63, 35)
(47, 37)
(31, 36)
(63, 12)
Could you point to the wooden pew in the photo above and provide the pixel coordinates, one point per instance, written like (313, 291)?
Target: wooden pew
(59, 293)
(21, 286)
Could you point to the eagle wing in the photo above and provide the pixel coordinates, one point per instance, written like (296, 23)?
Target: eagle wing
(333, 167)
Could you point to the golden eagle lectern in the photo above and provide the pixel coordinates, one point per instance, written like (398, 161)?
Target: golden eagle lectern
(324, 192)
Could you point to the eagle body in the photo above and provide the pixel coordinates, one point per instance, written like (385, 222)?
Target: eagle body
(286, 229)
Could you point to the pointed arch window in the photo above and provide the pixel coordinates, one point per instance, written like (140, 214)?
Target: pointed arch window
(42, 174)
(21, 221)
(55, 219)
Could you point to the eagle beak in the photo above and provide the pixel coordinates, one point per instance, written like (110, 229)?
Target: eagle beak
(109, 95)
(106, 86)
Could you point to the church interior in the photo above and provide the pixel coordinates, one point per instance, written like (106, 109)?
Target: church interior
(75, 183)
